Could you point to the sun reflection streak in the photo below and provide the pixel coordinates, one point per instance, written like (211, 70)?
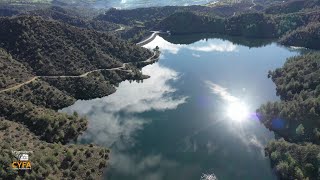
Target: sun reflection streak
(236, 109)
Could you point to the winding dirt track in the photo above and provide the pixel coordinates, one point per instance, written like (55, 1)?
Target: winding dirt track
(19, 85)
(121, 68)
(121, 28)
(253, 4)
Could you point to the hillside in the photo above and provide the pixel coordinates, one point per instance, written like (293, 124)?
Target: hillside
(45, 66)
(148, 17)
(296, 118)
(292, 6)
(289, 27)
(53, 48)
(294, 161)
(248, 25)
(11, 71)
(308, 36)
(188, 22)
(50, 161)
(262, 19)
(72, 17)
(298, 87)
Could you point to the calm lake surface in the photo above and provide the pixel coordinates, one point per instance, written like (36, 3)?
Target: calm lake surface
(194, 116)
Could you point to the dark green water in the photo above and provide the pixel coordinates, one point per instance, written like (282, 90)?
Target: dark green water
(194, 116)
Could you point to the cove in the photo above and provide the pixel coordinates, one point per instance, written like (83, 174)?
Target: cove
(195, 115)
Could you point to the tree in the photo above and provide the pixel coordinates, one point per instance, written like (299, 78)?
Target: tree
(298, 173)
(275, 156)
(316, 133)
(283, 169)
(300, 130)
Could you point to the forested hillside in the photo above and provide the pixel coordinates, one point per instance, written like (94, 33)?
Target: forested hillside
(53, 48)
(272, 19)
(188, 22)
(306, 36)
(296, 117)
(294, 161)
(49, 160)
(247, 25)
(47, 65)
(73, 17)
(292, 6)
(12, 71)
(149, 17)
(290, 27)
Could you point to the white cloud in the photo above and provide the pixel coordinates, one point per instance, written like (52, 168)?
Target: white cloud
(113, 120)
(221, 91)
(164, 45)
(109, 129)
(149, 167)
(146, 96)
(200, 46)
(223, 46)
(196, 55)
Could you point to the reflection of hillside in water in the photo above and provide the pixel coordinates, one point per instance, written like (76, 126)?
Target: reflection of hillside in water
(114, 120)
(192, 38)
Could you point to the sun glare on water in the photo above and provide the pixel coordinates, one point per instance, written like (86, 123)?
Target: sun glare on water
(238, 111)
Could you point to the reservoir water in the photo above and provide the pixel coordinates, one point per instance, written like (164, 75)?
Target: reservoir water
(194, 116)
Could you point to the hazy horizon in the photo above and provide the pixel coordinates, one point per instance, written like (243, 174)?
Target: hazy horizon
(127, 4)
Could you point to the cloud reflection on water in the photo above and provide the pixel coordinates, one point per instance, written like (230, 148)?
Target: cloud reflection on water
(214, 45)
(223, 46)
(196, 55)
(149, 167)
(221, 91)
(164, 45)
(113, 120)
